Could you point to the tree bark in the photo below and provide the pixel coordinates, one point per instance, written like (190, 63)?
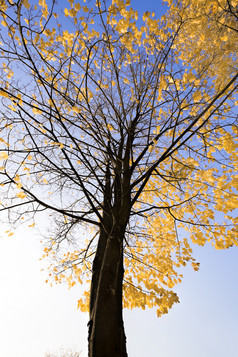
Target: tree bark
(106, 335)
(106, 329)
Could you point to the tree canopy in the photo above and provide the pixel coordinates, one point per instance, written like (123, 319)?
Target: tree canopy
(107, 118)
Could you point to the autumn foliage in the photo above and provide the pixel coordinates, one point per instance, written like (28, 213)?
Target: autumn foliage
(107, 115)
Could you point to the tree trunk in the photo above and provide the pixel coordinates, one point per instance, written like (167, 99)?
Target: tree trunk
(106, 329)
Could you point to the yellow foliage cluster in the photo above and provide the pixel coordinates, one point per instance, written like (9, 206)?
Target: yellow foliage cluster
(124, 61)
(208, 31)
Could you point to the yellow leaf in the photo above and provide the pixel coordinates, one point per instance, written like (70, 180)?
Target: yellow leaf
(77, 6)
(36, 110)
(14, 109)
(76, 109)
(3, 22)
(21, 194)
(224, 38)
(85, 9)
(3, 93)
(20, 98)
(26, 4)
(190, 77)
(42, 3)
(72, 13)
(3, 155)
(197, 96)
(10, 74)
(17, 178)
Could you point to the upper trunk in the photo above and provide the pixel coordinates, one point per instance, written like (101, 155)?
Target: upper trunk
(106, 329)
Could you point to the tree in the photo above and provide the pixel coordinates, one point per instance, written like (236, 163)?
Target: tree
(105, 125)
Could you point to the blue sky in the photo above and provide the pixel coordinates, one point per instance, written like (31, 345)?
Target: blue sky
(35, 317)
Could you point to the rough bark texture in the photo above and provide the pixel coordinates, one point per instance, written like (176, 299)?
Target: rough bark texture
(106, 337)
(106, 329)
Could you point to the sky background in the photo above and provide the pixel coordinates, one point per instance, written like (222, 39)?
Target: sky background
(36, 318)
